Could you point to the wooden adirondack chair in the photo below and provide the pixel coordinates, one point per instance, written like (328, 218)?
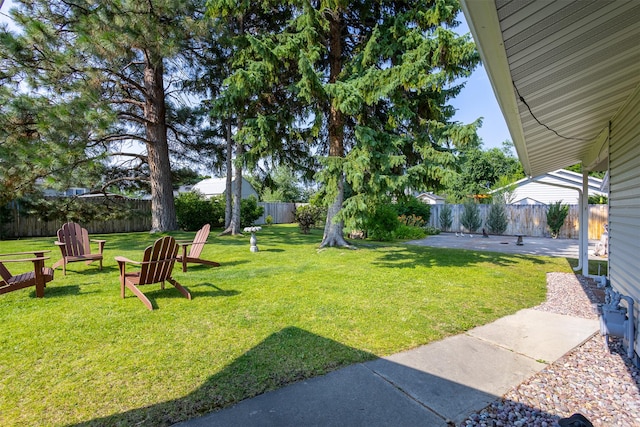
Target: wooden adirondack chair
(196, 249)
(157, 265)
(39, 277)
(73, 241)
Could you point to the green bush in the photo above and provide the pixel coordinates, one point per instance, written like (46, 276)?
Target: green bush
(556, 215)
(470, 218)
(446, 218)
(193, 211)
(431, 231)
(497, 221)
(412, 220)
(413, 206)
(307, 216)
(218, 207)
(409, 232)
(382, 223)
(249, 211)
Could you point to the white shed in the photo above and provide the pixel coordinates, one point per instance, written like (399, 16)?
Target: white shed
(217, 186)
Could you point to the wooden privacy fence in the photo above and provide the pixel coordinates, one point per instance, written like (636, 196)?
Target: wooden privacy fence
(31, 225)
(281, 213)
(530, 220)
(21, 225)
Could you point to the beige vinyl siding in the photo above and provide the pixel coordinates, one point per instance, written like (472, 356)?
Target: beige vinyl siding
(624, 201)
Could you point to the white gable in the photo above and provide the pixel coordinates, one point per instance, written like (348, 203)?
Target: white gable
(558, 186)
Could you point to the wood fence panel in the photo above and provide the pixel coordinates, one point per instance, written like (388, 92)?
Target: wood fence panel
(530, 220)
(21, 225)
(282, 213)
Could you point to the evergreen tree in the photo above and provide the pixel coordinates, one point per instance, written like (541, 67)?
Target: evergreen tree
(470, 218)
(445, 217)
(556, 214)
(369, 82)
(497, 221)
(94, 77)
(254, 96)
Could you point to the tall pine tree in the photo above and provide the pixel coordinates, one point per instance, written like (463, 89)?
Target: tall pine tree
(103, 72)
(375, 78)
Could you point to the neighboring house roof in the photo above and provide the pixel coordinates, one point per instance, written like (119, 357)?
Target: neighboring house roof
(432, 199)
(561, 185)
(561, 70)
(217, 186)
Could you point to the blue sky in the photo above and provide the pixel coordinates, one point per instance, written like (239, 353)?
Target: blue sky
(475, 100)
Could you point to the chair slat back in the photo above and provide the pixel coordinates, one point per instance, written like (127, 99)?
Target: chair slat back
(75, 239)
(4, 273)
(198, 242)
(159, 259)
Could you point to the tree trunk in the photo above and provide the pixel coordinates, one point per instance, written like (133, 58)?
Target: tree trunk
(163, 211)
(234, 225)
(333, 230)
(228, 208)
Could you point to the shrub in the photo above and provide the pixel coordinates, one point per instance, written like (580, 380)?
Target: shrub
(381, 224)
(193, 210)
(249, 211)
(218, 206)
(268, 220)
(413, 206)
(412, 220)
(470, 218)
(431, 231)
(497, 221)
(556, 215)
(409, 232)
(307, 216)
(445, 217)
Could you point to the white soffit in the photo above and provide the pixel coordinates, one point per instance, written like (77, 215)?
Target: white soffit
(566, 67)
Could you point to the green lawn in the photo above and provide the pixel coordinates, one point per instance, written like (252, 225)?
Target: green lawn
(260, 321)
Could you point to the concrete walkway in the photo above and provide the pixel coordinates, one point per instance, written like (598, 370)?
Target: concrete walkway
(543, 246)
(432, 385)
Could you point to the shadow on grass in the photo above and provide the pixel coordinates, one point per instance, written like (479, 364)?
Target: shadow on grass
(376, 392)
(154, 292)
(412, 256)
(284, 357)
(212, 291)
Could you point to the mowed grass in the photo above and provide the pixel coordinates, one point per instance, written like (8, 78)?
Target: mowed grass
(82, 355)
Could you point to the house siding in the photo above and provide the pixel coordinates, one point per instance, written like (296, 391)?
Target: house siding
(544, 193)
(624, 202)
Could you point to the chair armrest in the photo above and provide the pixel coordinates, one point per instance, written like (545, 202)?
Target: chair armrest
(25, 259)
(121, 259)
(100, 244)
(36, 253)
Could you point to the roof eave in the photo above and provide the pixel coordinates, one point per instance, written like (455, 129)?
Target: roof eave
(482, 18)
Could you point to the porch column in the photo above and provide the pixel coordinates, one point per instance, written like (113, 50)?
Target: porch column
(584, 223)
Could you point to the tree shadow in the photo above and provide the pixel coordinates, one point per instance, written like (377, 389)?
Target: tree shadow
(402, 390)
(280, 359)
(407, 256)
(214, 291)
(59, 291)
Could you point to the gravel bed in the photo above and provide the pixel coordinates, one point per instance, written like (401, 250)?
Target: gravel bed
(603, 386)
